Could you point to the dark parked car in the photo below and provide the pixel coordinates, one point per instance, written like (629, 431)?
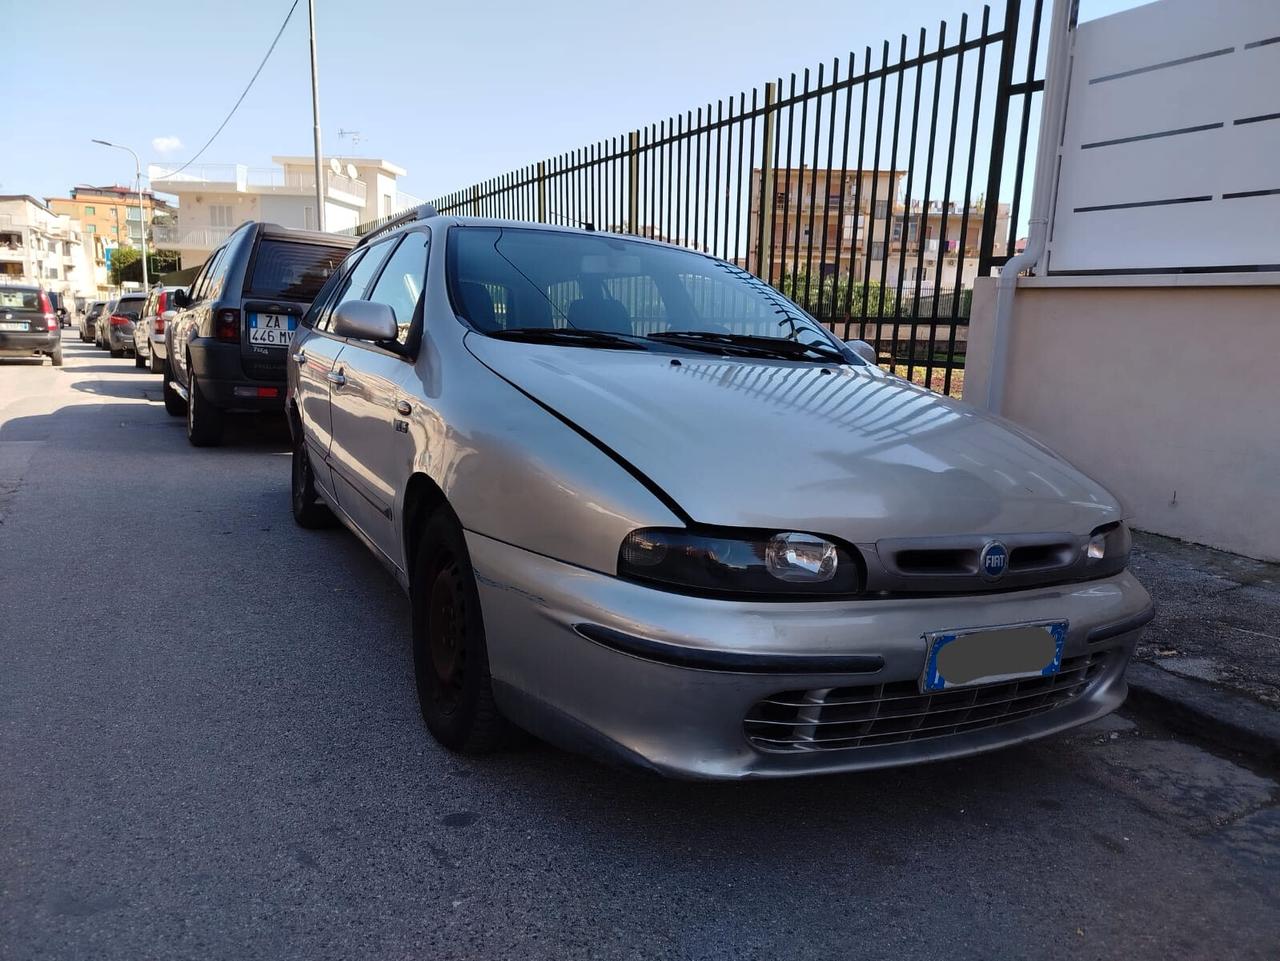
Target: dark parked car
(28, 324)
(226, 346)
(89, 319)
(115, 328)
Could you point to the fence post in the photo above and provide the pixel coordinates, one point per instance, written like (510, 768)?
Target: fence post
(764, 246)
(542, 191)
(999, 128)
(633, 182)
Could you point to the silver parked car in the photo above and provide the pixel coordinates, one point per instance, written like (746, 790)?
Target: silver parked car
(646, 507)
(148, 333)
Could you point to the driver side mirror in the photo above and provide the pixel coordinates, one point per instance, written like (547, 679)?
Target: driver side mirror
(863, 350)
(180, 299)
(365, 320)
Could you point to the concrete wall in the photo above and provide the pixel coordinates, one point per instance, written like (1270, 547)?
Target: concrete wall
(1166, 389)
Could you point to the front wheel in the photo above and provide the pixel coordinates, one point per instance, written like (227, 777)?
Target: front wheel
(204, 420)
(157, 365)
(450, 658)
(308, 510)
(116, 353)
(138, 360)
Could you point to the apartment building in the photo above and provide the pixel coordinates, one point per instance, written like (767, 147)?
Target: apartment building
(849, 222)
(37, 245)
(110, 217)
(214, 199)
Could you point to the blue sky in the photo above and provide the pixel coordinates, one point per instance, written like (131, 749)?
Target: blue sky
(453, 92)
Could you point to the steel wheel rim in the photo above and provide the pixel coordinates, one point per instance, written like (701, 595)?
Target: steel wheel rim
(446, 636)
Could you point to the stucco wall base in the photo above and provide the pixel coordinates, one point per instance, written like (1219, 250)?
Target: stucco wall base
(1168, 395)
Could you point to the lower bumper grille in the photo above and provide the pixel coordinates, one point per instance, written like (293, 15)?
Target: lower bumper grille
(872, 715)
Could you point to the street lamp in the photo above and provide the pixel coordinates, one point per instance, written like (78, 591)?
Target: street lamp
(142, 215)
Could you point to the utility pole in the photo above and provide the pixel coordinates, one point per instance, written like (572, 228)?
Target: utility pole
(142, 212)
(315, 115)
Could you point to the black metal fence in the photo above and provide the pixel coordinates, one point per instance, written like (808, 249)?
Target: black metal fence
(872, 190)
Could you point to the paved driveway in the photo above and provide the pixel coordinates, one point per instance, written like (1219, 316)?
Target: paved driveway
(209, 748)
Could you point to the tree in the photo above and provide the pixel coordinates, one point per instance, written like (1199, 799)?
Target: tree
(126, 264)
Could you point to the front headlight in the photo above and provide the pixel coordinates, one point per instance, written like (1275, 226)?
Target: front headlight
(1107, 551)
(735, 562)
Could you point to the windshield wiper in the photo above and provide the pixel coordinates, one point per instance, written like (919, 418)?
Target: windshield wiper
(568, 335)
(750, 344)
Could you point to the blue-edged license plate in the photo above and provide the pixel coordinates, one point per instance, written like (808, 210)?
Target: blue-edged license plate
(271, 330)
(989, 655)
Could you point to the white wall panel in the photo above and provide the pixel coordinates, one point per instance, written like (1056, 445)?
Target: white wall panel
(1174, 111)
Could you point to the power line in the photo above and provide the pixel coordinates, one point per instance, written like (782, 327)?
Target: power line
(227, 120)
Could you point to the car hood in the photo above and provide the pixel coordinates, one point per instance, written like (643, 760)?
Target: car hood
(846, 451)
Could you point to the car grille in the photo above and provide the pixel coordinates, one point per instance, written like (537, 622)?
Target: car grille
(833, 719)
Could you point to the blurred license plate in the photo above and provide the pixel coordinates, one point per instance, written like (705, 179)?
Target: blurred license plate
(992, 654)
(13, 325)
(271, 330)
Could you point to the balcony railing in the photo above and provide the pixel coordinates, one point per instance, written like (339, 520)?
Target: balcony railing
(190, 238)
(252, 180)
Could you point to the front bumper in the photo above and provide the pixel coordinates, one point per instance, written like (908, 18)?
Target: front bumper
(665, 680)
(27, 344)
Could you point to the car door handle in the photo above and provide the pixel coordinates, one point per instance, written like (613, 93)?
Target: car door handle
(300, 357)
(336, 378)
(404, 407)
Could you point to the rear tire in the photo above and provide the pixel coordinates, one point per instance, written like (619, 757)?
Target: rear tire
(56, 357)
(116, 353)
(174, 405)
(138, 360)
(204, 420)
(156, 364)
(450, 657)
(309, 510)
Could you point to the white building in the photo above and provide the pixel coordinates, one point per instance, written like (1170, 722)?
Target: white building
(214, 199)
(38, 246)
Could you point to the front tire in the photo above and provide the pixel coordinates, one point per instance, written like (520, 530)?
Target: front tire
(157, 365)
(450, 657)
(139, 361)
(204, 420)
(308, 510)
(116, 353)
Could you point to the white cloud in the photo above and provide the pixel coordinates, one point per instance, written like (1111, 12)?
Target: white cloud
(165, 144)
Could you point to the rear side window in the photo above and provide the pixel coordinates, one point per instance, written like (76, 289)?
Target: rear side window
(292, 271)
(357, 280)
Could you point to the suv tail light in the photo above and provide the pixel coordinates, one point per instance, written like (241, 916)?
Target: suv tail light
(46, 308)
(226, 325)
(162, 303)
(119, 320)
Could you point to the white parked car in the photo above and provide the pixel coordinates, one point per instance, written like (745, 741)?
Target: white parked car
(646, 507)
(148, 333)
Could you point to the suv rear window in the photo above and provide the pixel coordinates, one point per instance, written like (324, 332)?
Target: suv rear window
(292, 271)
(16, 298)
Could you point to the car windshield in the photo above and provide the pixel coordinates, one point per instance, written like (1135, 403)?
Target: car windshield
(539, 284)
(294, 271)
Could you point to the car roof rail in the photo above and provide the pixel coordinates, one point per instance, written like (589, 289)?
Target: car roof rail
(420, 212)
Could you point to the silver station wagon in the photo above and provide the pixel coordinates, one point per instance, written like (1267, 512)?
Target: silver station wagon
(647, 508)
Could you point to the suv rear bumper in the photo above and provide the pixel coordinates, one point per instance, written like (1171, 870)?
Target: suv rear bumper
(223, 382)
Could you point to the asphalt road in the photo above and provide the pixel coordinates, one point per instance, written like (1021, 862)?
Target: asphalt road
(209, 748)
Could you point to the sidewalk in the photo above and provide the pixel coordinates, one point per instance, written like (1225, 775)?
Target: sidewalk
(1209, 664)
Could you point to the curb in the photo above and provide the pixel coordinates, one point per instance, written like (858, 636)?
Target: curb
(1198, 709)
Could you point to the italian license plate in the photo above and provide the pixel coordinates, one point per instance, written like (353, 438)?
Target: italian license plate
(992, 654)
(13, 325)
(271, 330)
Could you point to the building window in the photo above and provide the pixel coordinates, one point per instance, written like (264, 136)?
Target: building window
(91, 228)
(89, 211)
(882, 209)
(220, 215)
(309, 218)
(877, 250)
(780, 198)
(386, 204)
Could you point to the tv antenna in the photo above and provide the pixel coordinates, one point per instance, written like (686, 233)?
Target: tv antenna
(353, 134)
